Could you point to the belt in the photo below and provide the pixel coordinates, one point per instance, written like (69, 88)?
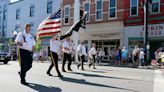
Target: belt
(26, 50)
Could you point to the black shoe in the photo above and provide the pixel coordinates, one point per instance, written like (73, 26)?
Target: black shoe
(49, 74)
(19, 73)
(61, 76)
(90, 65)
(94, 67)
(83, 69)
(70, 69)
(63, 70)
(78, 66)
(24, 83)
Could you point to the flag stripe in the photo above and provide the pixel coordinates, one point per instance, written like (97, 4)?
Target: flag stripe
(45, 31)
(53, 22)
(49, 28)
(49, 33)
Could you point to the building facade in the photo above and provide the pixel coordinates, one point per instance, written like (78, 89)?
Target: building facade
(104, 22)
(134, 24)
(3, 22)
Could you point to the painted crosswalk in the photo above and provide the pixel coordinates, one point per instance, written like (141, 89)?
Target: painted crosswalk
(158, 81)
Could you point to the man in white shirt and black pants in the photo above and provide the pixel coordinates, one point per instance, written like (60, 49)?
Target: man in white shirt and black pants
(26, 45)
(93, 52)
(55, 46)
(67, 48)
(81, 49)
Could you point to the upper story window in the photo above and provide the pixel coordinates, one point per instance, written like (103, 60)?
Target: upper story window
(0, 9)
(133, 7)
(17, 14)
(66, 14)
(87, 9)
(155, 6)
(112, 8)
(5, 12)
(99, 9)
(49, 6)
(32, 7)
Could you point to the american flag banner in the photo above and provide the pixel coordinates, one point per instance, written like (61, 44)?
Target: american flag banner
(50, 26)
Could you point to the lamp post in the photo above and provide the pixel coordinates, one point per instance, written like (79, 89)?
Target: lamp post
(146, 4)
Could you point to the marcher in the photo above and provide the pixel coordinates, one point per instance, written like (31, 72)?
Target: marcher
(26, 45)
(67, 54)
(101, 54)
(54, 51)
(81, 49)
(93, 53)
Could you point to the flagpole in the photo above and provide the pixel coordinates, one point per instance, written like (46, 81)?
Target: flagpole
(76, 19)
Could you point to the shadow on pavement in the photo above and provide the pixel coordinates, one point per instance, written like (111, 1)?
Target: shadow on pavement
(42, 88)
(100, 76)
(82, 81)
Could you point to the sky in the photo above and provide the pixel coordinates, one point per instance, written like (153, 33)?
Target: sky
(14, 0)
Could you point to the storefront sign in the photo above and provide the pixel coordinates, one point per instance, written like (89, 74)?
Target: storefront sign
(103, 35)
(153, 30)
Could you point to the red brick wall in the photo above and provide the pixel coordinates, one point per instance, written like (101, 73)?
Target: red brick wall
(120, 10)
(140, 17)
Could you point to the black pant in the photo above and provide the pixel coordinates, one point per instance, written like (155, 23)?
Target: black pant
(82, 60)
(65, 58)
(54, 62)
(25, 60)
(93, 61)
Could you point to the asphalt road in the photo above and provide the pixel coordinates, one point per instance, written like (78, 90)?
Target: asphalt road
(103, 79)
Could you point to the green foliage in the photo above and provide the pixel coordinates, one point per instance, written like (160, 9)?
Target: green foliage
(38, 45)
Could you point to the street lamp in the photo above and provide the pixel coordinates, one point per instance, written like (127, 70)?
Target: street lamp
(146, 4)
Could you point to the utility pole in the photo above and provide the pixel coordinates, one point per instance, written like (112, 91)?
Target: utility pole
(146, 33)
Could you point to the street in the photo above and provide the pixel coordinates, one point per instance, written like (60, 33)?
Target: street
(103, 79)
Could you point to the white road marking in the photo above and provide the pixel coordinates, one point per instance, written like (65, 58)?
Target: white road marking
(158, 81)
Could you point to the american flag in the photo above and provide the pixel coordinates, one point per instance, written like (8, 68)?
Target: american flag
(50, 26)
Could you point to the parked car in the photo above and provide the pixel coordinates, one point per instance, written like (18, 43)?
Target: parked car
(5, 57)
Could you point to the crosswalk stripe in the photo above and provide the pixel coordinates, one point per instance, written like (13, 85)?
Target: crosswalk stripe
(158, 81)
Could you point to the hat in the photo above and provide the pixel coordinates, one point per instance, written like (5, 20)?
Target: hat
(28, 25)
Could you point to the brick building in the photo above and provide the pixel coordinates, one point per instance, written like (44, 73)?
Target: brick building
(134, 21)
(104, 22)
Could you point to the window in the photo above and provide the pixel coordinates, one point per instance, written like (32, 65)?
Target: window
(155, 6)
(99, 10)
(66, 14)
(5, 12)
(32, 10)
(112, 8)
(5, 15)
(17, 14)
(4, 31)
(49, 6)
(133, 7)
(87, 9)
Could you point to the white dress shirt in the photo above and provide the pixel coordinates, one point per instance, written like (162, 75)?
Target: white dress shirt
(93, 51)
(67, 44)
(81, 49)
(55, 46)
(27, 41)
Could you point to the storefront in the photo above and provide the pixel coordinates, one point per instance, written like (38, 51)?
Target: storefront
(134, 36)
